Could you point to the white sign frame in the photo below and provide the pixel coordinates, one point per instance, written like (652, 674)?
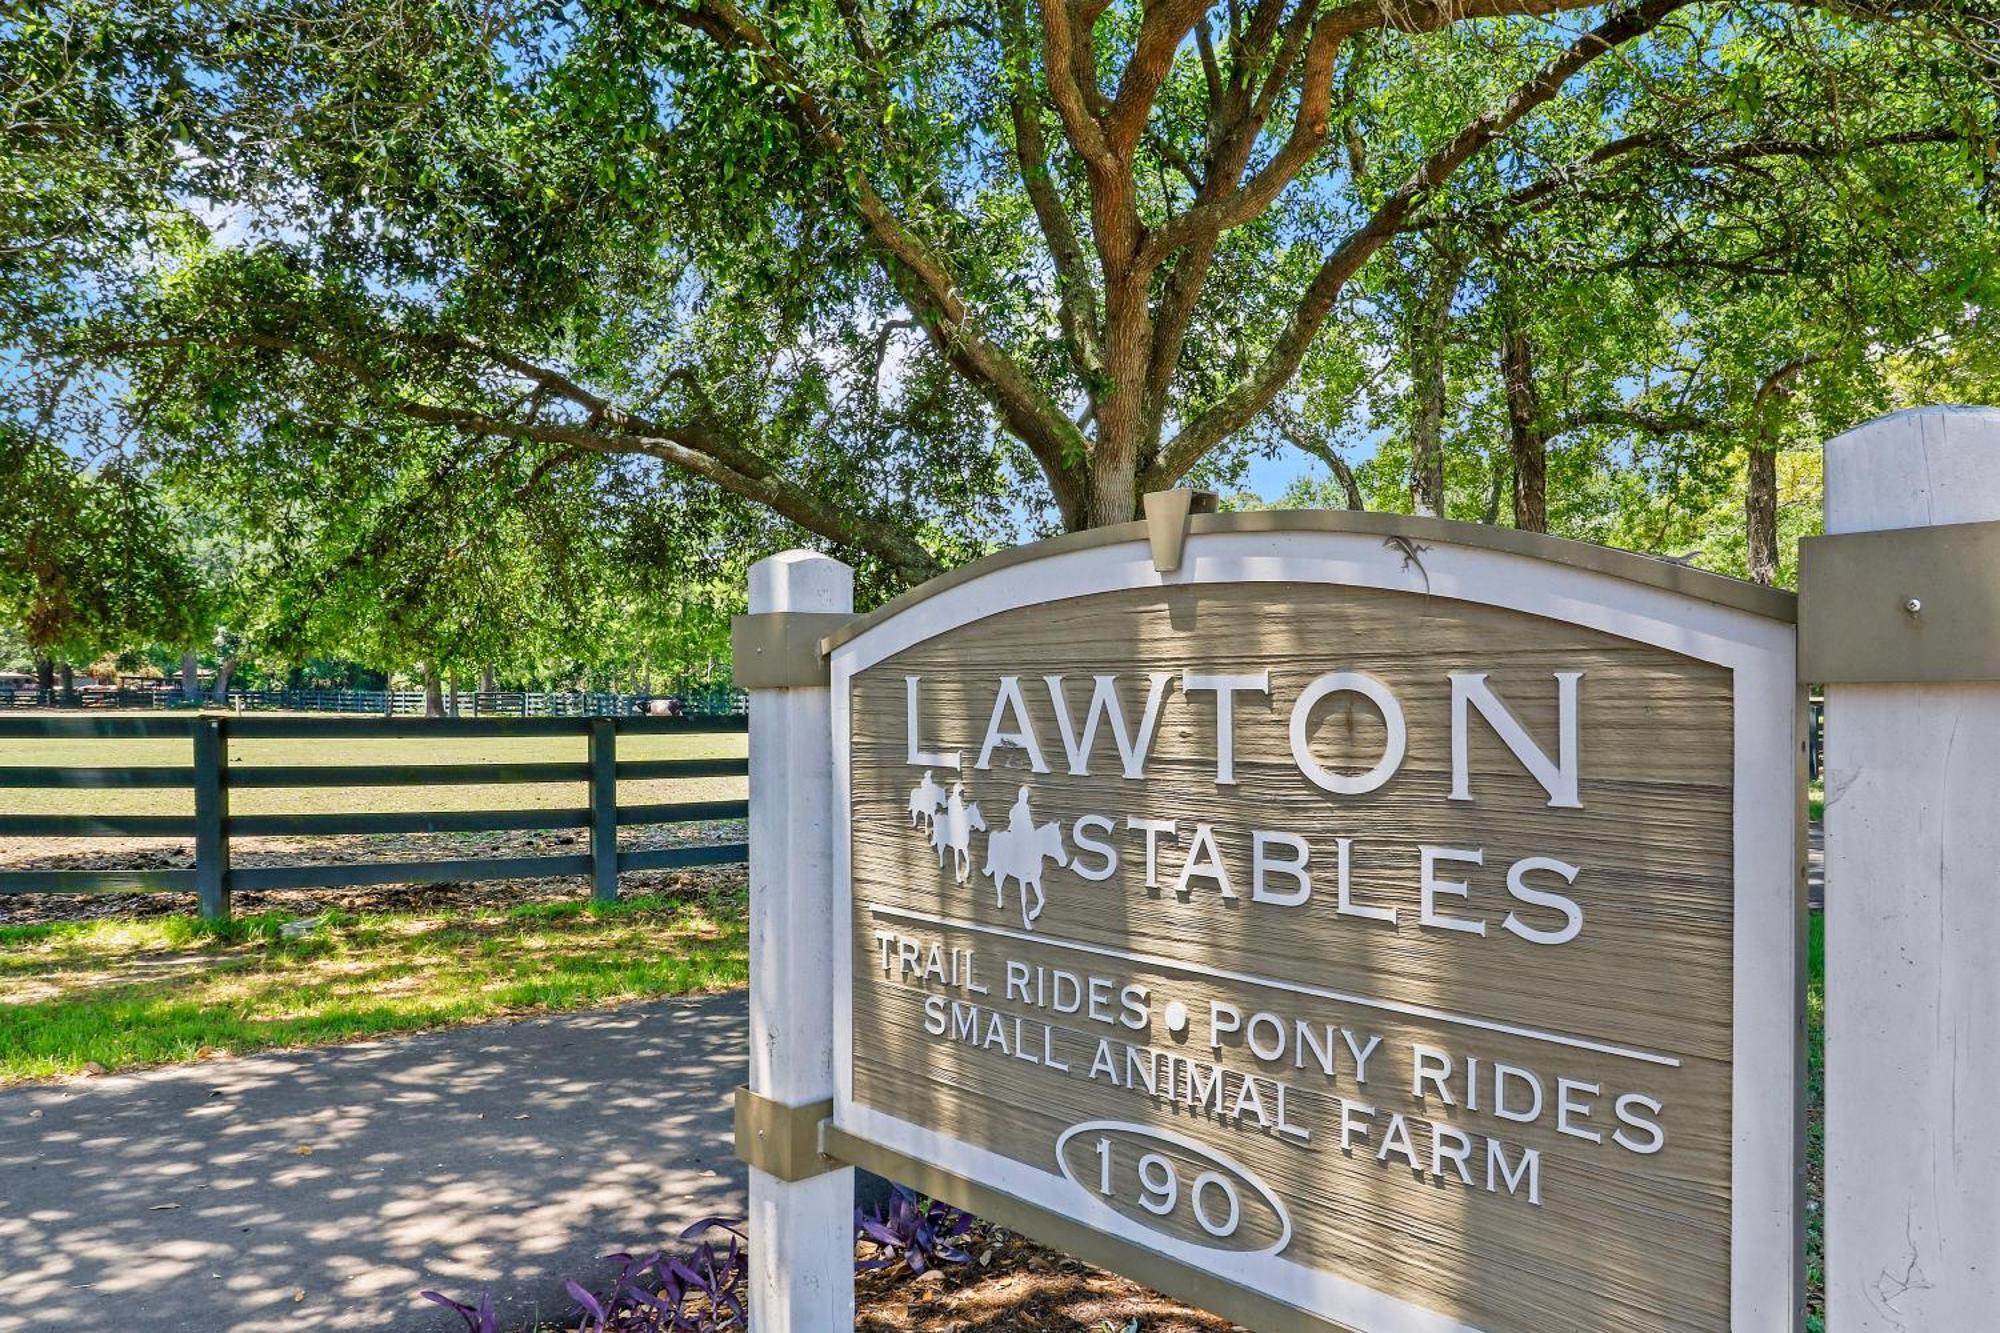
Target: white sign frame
(1458, 561)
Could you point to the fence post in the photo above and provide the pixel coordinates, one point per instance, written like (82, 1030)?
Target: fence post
(603, 810)
(211, 814)
(1913, 920)
(802, 1232)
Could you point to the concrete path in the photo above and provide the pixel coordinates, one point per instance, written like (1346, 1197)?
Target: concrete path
(324, 1189)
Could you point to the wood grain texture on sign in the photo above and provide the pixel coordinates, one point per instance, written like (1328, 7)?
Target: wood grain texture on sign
(1637, 1005)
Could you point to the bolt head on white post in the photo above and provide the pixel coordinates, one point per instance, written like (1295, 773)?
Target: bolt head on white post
(1913, 926)
(801, 1232)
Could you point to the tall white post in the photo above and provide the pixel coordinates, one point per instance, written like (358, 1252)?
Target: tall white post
(802, 1233)
(1913, 927)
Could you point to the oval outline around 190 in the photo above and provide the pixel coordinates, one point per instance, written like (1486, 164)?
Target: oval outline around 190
(1241, 1172)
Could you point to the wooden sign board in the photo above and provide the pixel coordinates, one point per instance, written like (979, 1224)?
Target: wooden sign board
(1361, 927)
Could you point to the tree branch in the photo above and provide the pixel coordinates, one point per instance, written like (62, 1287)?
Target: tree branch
(1306, 442)
(1076, 288)
(1238, 205)
(1065, 34)
(1545, 191)
(1625, 418)
(702, 450)
(1241, 406)
(1164, 27)
(918, 271)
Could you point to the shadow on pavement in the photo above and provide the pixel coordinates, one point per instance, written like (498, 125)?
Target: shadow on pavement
(326, 1188)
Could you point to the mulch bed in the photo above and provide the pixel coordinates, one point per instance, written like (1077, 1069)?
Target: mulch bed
(1019, 1287)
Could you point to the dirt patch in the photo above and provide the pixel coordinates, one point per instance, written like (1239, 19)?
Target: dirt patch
(456, 897)
(1020, 1287)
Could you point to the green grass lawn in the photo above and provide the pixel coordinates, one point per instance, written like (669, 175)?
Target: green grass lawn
(118, 993)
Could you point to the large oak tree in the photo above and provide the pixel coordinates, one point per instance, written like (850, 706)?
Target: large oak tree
(846, 260)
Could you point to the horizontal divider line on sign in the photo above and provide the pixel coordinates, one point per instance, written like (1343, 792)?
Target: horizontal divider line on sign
(97, 881)
(97, 777)
(405, 872)
(1160, 962)
(432, 821)
(683, 812)
(96, 826)
(675, 858)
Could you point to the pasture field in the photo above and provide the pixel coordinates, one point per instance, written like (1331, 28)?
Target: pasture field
(137, 853)
(121, 753)
(113, 981)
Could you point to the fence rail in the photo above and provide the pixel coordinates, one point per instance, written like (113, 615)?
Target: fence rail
(706, 701)
(212, 777)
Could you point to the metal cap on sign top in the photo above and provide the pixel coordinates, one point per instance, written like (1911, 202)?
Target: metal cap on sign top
(1167, 514)
(1901, 606)
(781, 649)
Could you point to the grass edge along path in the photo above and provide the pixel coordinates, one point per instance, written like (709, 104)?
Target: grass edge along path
(100, 996)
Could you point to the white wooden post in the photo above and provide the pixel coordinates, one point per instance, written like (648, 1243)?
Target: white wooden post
(802, 1233)
(1913, 928)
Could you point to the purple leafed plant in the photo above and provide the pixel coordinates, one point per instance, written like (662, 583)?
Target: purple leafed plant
(480, 1318)
(702, 1291)
(914, 1232)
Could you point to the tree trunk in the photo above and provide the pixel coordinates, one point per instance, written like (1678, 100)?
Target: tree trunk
(67, 675)
(1760, 501)
(433, 696)
(452, 706)
(1119, 408)
(1306, 442)
(1527, 441)
(1761, 512)
(487, 681)
(1497, 486)
(1114, 484)
(45, 681)
(1427, 426)
(1430, 322)
(190, 678)
(1350, 485)
(223, 671)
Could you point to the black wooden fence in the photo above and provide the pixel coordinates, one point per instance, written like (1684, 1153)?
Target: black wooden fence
(212, 778)
(705, 701)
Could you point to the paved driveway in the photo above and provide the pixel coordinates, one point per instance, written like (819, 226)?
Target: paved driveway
(323, 1189)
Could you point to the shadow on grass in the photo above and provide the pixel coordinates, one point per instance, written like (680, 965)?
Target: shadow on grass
(83, 998)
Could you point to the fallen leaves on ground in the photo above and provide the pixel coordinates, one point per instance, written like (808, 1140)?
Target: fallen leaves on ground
(1019, 1287)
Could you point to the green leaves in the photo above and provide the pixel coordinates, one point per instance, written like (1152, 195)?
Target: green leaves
(476, 318)
(90, 559)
